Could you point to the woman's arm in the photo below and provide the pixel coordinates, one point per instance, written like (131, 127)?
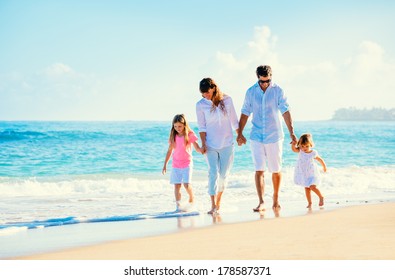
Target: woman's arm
(201, 120)
(233, 115)
(203, 138)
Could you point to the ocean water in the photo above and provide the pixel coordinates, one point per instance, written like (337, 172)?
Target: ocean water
(60, 173)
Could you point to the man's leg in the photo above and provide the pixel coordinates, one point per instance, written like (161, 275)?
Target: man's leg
(258, 156)
(276, 178)
(274, 153)
(260, 189)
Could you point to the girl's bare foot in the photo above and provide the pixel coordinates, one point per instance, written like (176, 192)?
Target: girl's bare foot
(321, 203)
(309, 206)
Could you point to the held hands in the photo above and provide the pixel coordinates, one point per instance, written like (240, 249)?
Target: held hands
(203, 149)
(199, 150)
(241, 139)
(294, 139)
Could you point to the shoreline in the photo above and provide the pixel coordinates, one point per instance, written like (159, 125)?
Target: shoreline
(358, 232)
(58, 238)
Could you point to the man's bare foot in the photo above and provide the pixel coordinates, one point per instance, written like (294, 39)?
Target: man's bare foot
(259, 208)
(321, 203)
(276, 205)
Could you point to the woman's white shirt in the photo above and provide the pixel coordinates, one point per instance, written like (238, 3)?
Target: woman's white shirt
(217, 124)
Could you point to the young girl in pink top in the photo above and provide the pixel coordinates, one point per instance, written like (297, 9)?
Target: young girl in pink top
(181, 140)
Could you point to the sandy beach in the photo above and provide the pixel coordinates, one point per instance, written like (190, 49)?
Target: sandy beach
(364, 232)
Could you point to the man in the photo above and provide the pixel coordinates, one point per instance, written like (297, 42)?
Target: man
(264, 100)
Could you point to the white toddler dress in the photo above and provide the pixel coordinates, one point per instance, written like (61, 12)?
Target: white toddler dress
(306, 170)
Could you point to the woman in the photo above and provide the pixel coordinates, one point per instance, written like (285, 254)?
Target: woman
(216, 118)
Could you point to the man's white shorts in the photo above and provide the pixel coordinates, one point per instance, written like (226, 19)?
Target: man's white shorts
(181, 175)
(269, 155)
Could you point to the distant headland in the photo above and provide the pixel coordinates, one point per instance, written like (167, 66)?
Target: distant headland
(354, 114)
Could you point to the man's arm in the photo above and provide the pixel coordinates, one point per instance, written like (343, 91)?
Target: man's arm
(288, 121)
(242, 123)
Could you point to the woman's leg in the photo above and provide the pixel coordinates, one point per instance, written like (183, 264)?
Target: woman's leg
(212, 158)
(226, 156)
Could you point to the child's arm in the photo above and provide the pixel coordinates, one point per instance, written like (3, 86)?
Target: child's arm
(294, 148)
(321, 161)
(197, 147)
(167, 158)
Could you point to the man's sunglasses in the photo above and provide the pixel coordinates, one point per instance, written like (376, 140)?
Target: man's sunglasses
(263, 82)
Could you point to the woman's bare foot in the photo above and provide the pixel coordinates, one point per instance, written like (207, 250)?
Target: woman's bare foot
(321, 203)
(259, 208)
(308, 206)
(212, 211)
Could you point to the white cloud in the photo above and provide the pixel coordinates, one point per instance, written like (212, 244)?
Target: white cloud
(58, 69)
(314, 90)
(261, 50)
(367, 77)
(264, 43)
(228, 60)
(371, 54)
(317, 89)
(327, 67)
(369, 65)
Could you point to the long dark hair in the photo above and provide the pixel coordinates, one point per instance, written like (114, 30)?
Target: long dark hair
(218, 96)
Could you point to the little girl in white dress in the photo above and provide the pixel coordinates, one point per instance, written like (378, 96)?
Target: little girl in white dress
(307, 174)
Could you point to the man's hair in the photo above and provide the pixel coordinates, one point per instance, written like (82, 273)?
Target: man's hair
(264, 71)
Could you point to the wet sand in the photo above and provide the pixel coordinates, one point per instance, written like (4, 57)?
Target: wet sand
(364, 232)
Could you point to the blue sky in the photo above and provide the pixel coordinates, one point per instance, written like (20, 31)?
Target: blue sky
(143, 60)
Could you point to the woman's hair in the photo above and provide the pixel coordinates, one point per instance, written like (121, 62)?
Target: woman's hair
(181, 119)
(305, 139)
(218, 96)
